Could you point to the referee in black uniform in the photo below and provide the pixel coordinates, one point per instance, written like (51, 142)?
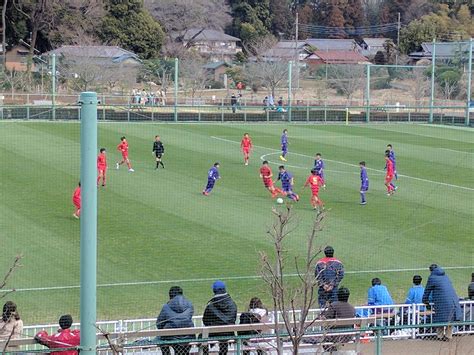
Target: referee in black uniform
(158, 151)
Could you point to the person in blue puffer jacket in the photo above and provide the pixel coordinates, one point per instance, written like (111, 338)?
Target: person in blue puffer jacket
(177, 313)
(445, 301)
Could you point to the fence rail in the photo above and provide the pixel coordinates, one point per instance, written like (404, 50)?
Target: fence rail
(226, 113)
(399, 321)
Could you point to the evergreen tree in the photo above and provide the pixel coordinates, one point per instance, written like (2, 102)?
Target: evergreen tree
(282, 18)
(131, 26)
(251, 18)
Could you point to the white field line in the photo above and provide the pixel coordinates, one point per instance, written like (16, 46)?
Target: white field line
(356, 166)
(456, 151)
(210, 279)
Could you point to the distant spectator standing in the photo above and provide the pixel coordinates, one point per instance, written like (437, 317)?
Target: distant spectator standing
(177, 313)
(220, 310)
(329, 274)
(233, 102)
(378, 294)
(265, 103)
(445, 300)
(64, 338)
(271, 101)
(11, 325)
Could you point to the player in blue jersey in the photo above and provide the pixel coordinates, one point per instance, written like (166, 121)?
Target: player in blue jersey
(284, 145)
(319, 167)
(364, 182)
(287, 183)
(391, 156)
(212, 177)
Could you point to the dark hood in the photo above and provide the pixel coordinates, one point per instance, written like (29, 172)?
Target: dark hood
(179, 304)
(438, 271)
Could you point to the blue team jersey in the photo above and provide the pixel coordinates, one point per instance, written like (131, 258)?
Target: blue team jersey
(284, 139)
(391, 156)
(364, 178)
(319, 166)
(285, 178)
(213, 174)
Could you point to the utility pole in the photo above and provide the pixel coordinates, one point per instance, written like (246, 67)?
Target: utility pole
(4, 33)
(433, 70)
(398, 38)
(297, 59)
(53, 85)
(469, 83)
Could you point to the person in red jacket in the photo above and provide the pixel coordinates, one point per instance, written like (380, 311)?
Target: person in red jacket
(76, 200)
(64, 338)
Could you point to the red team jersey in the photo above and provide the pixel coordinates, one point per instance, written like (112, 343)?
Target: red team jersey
(76, 197)
(389, 168)
(314, 181)
(102, 162)
(123, 147)
(246, 144)
(266, 173)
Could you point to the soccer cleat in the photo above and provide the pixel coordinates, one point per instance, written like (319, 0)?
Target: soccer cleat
(395, 188)
(282, 158)
(75, 216)
(246, 163)
(131, 170)
(363, 203)
(205, 193)
(389, 194)
(117, 166)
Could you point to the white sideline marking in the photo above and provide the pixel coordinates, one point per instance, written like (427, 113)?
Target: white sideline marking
(456, 151)
(356, 166)
(210, 279)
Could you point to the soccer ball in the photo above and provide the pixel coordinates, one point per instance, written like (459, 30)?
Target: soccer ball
(279, 200)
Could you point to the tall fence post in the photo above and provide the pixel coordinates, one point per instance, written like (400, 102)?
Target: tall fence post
(469, 83)
(367, 95)
(433, 69)
(176, 77)
(53, 86)
(27, 106)
(378, 342)
(290, 79)
(88, 264)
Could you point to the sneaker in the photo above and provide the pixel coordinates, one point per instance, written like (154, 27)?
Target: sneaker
(117, 166)
(131, 170)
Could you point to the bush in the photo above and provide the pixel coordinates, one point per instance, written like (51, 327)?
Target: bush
(216, 85)
(381, 84)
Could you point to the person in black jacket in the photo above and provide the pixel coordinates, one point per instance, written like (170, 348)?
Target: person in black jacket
(177, 313)
(220, 310)
(158, 151)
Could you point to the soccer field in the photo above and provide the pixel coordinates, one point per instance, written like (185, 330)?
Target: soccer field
(157, 230)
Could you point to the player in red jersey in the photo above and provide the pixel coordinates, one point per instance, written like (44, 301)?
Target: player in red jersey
(389, 174)
(315, 181)
(76, 200)
(266, 175)
(123, 148)
(246, 146)
(101, 167)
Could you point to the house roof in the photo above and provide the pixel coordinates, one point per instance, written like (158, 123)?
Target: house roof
(444, 50)
(215, 65)
(327, 44)
(112, 52)
(375, 42)
(339, 57)
(208, 35)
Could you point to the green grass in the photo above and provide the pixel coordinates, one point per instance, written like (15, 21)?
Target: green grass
(156, 226)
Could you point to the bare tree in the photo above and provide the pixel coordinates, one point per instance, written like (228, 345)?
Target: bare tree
(194, 76)
(271, 74)
(347, 79)
(288, 297)
(4, 33)
(419, 85)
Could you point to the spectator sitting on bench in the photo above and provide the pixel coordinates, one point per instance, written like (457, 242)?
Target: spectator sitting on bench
(256, 313)
(64, 338)
(378, 295)
(177, 313)
(220, 310)
(337, 310)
